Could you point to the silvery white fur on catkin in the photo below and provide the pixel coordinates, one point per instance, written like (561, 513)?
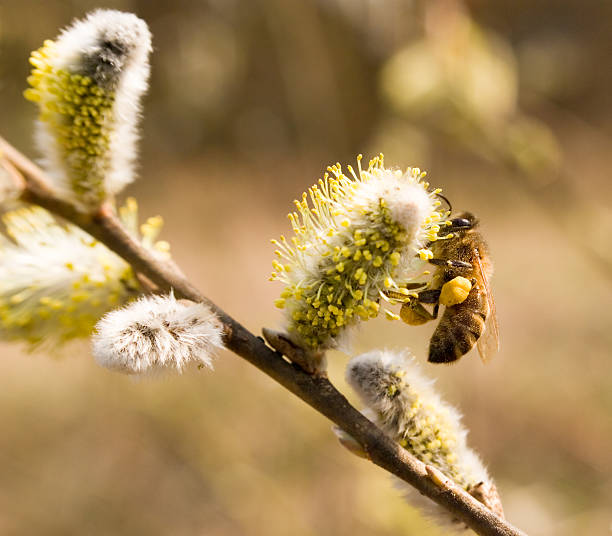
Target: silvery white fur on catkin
(369, 375)
(409, 205)
(157, 333)
(78, 46)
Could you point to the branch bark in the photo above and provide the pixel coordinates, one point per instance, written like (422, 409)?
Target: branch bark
(318, 392)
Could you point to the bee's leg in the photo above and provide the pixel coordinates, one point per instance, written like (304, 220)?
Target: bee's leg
(311, 362)
(450, 262)
(414, 286)
(429, 296)
(414, 314)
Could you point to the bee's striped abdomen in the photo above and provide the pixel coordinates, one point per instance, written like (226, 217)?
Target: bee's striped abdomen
(459, 328)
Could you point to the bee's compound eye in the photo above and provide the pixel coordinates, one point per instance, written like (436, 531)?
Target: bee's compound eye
(461, 223)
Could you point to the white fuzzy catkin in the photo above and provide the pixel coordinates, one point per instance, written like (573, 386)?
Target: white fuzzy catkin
(156, 334)
(409, 410)
(87, 85)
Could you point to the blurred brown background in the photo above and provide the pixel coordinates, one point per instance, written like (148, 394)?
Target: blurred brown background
(507, 104)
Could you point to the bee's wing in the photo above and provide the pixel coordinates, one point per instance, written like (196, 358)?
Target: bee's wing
(488, 343)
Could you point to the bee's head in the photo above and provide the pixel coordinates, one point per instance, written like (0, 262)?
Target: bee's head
(464, 221)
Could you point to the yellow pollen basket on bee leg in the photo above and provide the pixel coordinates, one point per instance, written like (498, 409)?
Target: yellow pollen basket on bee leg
(455, 291)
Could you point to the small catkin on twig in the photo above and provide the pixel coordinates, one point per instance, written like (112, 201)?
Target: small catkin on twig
(156, 334)
(405, 405)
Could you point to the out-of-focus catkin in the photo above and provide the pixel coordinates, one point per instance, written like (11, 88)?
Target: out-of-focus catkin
(56, 281)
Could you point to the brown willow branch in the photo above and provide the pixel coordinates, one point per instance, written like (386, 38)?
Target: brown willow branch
(317, 392)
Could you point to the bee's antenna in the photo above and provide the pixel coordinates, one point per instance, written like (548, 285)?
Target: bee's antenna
(450, 207)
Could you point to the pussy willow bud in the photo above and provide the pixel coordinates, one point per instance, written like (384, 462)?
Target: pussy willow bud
(357, 236)
(11, 183)
(156, 334)
(87, 85)
(410, 411)
(56, 281)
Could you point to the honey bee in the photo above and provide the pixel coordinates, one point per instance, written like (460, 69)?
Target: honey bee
(461, 284)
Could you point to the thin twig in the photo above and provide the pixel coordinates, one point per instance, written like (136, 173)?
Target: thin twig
(318, 392)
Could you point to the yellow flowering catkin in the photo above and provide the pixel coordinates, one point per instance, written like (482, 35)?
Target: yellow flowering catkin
(356, 237)
(56, 281)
